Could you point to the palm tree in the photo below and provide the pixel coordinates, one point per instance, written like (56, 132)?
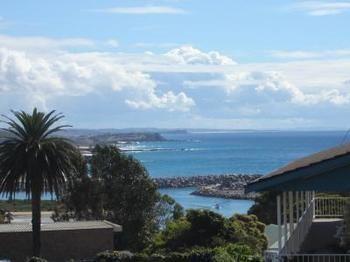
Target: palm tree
(35, 161)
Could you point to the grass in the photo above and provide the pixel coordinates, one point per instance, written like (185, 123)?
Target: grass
(25, 205)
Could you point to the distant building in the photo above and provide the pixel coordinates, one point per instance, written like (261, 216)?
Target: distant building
(85, 151)
(59, 241)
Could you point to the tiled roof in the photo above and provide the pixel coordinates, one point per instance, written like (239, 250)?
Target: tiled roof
(78, 225)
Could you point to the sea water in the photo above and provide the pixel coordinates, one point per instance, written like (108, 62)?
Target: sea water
(204, 153)
(248, 152)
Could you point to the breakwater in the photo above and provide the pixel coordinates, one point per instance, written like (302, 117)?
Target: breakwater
(224, 186)
(230, 180)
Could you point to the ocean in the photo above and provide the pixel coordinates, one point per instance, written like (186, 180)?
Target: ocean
(248, 152)
(204, 153)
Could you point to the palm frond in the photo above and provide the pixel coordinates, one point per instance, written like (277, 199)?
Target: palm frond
(32, 156)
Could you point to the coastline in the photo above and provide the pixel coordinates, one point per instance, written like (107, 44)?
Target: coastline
(228, 186)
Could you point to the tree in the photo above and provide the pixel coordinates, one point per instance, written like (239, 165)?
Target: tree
(35, 161)
(207, 229)
(167, 209)
(119, 189)
(129, 194)
(265, 207)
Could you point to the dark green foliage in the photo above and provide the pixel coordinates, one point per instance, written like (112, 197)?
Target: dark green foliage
(36, 259)
(83, 199)
(202, 228)
(247, 230)
(114, 256)
(25, 205)
(167, 209)
(118, 189)
(33, 160)
(265, 207)
(32, 154)
(129, 194)
(228, 253)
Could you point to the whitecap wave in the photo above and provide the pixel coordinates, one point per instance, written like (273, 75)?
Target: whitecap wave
(139, 149)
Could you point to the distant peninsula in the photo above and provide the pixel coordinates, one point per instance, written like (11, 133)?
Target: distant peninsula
(90, 138)
(107, 139)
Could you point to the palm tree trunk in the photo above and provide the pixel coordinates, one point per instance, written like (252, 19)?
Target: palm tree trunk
(36, 220)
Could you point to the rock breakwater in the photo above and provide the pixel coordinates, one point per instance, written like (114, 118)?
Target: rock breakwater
(230, 180)
(224, 186)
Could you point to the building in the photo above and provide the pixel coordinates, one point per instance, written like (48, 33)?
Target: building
(59, 241)
(307, 222)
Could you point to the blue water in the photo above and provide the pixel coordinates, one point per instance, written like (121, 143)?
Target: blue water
(218, 153)
(227, 206)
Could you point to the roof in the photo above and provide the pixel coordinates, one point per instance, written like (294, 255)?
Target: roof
(312, 159)
(304, 164)
(78, 225)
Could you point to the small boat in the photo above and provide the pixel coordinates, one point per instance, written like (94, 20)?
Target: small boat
(217, 206)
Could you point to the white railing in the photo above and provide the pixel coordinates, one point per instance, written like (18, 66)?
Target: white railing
(301, 229)
(271, 256)
(295, 215)
(314, 258)
(330, 207)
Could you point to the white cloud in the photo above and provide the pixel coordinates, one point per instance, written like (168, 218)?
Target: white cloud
(169, 101)
(77, 75)
(50, 45)
(322, 8)
(185, 80)
(270, 86)
(40, 43)
(143, 10)
(300, 54)
(192, 56)
(261, 88)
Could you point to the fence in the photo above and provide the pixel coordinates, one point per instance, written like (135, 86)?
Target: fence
(330, 207)
(314, 258)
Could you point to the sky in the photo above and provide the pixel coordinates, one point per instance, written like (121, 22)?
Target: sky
(228, 64)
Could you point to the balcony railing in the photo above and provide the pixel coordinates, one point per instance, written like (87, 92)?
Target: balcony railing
(303, 208)
(330, 207)
(314, 258)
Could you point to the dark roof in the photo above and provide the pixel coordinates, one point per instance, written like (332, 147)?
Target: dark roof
(308, 161)
(321, 156)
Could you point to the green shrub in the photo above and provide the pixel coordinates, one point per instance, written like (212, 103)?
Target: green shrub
(36, 259)
(114, 256)
(228, 253)
(207, 229)
(222, 256)
(265, 208)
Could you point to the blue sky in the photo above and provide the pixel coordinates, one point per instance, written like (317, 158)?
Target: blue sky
(179, 63)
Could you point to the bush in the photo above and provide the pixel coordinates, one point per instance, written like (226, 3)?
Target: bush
(229, 253)
(114, 256)
(246, 230)
(36, 259)
(206, 229)
(265, 208)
